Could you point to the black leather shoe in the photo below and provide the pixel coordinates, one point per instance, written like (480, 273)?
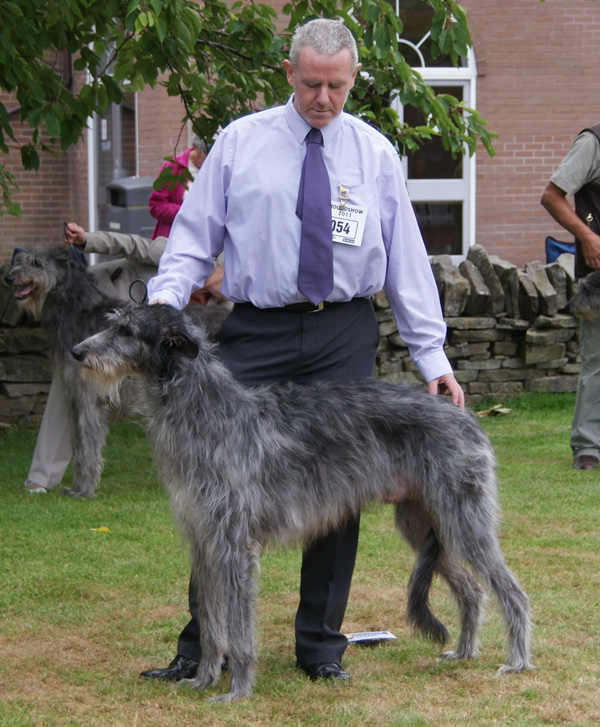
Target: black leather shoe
(326, 670)
(585, 462)
(179, 668)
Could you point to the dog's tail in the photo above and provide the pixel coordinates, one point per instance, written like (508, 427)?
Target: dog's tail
(419, 615)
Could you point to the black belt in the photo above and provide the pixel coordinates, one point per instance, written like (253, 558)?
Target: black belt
(306, 307)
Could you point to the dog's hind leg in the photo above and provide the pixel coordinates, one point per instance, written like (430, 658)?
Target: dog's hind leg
(469, 596)
(416, 527)
(475, 540)
(515, 606)
(418, 611)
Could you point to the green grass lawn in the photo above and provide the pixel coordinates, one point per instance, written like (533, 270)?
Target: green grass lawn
(83, 610)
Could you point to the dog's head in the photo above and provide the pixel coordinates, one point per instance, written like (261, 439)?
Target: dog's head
(140, 340)
(35, 273)
(586, 302)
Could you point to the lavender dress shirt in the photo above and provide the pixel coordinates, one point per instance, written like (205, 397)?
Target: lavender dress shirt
(243, 204)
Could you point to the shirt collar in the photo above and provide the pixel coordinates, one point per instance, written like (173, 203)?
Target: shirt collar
(300, 127)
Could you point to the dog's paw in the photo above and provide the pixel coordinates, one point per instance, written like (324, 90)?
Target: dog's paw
(516, 669)
(456, 655)
(229, 697)
(73, 492)
(450, 656)
(200, 681)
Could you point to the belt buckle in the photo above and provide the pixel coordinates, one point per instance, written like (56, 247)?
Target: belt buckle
(318, 308)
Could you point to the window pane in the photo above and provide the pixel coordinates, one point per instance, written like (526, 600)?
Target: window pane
(431, 160)
(115, 150)
(416, 17)
(441, 226)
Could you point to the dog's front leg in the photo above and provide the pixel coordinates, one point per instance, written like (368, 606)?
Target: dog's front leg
(240, 598)
(89, 426)
(211, 618)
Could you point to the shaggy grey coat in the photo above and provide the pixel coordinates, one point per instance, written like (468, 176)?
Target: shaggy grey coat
(273, 464)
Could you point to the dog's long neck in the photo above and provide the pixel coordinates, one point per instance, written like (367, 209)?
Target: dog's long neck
(76, 287)
(76, 292)
(201, 391)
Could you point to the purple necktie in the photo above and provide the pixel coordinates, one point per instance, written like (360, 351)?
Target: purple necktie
(315, 272)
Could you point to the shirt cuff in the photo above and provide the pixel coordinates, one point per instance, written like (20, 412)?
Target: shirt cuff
(433, 365)
(165, 295)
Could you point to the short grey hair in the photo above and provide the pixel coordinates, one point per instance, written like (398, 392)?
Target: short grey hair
(198, 144)
(325, 36)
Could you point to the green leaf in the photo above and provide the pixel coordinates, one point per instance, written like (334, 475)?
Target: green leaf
(52, 124)
(13, 208)
(161, 28)
(29, 157)
(382, 39)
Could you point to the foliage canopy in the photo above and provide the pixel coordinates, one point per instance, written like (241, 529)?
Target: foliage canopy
(223, 61)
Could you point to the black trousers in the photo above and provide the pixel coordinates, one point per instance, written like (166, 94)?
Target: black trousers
(337, 343)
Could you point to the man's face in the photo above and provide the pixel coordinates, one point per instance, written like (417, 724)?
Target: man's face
(321, 84)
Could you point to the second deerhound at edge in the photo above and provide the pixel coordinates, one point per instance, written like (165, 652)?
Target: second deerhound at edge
(250, 466)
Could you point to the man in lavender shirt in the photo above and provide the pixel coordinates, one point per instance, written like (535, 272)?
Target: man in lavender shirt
(243, 203)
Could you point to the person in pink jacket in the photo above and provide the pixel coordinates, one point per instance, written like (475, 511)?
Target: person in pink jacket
(164, 204)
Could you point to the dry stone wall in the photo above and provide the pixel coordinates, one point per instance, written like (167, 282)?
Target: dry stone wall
(507, 333)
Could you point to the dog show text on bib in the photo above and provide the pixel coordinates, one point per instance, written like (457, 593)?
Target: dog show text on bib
(348, 223)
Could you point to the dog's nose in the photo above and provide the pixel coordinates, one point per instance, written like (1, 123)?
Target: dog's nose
(9, 279)
(78, 353)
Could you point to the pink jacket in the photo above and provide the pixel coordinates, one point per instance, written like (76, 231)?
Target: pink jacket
(165, 203)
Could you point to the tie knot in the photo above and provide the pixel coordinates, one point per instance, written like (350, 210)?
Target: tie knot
(314, 136)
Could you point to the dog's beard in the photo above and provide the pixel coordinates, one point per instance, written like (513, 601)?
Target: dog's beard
(106, 382)
(32, 304)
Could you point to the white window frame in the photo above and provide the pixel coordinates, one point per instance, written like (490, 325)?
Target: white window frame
(447, 190)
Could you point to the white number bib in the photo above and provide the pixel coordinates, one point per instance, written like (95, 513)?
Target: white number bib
(348, 224)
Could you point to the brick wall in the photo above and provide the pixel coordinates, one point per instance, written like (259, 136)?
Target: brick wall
(43, 195)
(537, 87)
(49, 196)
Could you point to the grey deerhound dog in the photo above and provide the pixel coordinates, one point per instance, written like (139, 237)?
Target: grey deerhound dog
(280, 463)
(56, 289)
(586, 302)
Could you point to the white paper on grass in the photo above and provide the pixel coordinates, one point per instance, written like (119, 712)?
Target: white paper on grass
(370, 637)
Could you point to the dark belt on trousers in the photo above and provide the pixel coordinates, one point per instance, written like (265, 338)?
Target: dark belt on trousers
(306, 307)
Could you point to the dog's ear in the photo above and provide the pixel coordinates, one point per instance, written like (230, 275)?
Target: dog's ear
(177, 341)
